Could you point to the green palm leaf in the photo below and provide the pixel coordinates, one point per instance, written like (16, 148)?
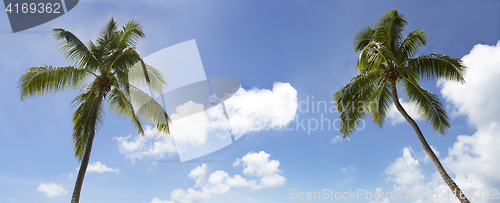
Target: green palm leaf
(352, 101)
(147, 108)
(436, 65)
(75, 51)
(119, 103)
(41, 80)
(86, 103)
(428, 105)
(389, 29)
(363, 38)
(129, 35)
(412, 43)
(148, 76)
(380, 102)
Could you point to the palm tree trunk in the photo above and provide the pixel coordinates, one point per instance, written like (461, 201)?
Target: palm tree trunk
(453, 186)
(88, 148)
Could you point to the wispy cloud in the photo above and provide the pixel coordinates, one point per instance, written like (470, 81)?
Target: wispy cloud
(153, 144)
(350, 169)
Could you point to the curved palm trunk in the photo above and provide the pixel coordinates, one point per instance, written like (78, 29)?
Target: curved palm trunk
(86, 156)
(453, 186)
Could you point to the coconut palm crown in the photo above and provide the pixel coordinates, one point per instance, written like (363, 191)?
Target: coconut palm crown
(388, 60)
(101, 71)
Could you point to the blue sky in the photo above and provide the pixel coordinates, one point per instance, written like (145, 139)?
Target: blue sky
(287, 45)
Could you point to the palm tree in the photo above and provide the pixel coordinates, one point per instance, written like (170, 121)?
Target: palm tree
(102, 70)
(387, 60)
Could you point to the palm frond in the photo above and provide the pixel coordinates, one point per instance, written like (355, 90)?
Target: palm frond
(129, 35)
(428, 105)
(49, 79)
(108, 36)
(74, 50)
(380, 102)
(82, 121)
(147, 77)
(119, 103)
(373, 56)
(352, 101)
(412, 43)
(389, 29)
(129, 66)
(438, 66)
(121, 59)
(363, 38)
(147, 108)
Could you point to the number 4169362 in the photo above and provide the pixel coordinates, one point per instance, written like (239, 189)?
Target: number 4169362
(33, 8)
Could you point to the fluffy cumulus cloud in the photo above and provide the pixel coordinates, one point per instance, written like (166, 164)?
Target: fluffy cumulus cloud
(259, 109)
(405, 170)
(250, 110)
(152, 145)
(52, 189)
(100, 168)
(410, 182)
(206, 121)
(478, 98)
(477, 156)
(259, 172)
(198, 174)
(259, 165)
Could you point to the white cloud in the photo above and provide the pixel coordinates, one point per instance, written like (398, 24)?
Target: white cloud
(258, 164)
(478, 98)
(259, 109)
(205, 122)
(248, 110)
(209, 126)
(152, 145)
(265, 173)
(52, 189)
(477, 155)
(405, 170)
(158, 200)
(407, 175)
(100, 168)
(198, 174)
